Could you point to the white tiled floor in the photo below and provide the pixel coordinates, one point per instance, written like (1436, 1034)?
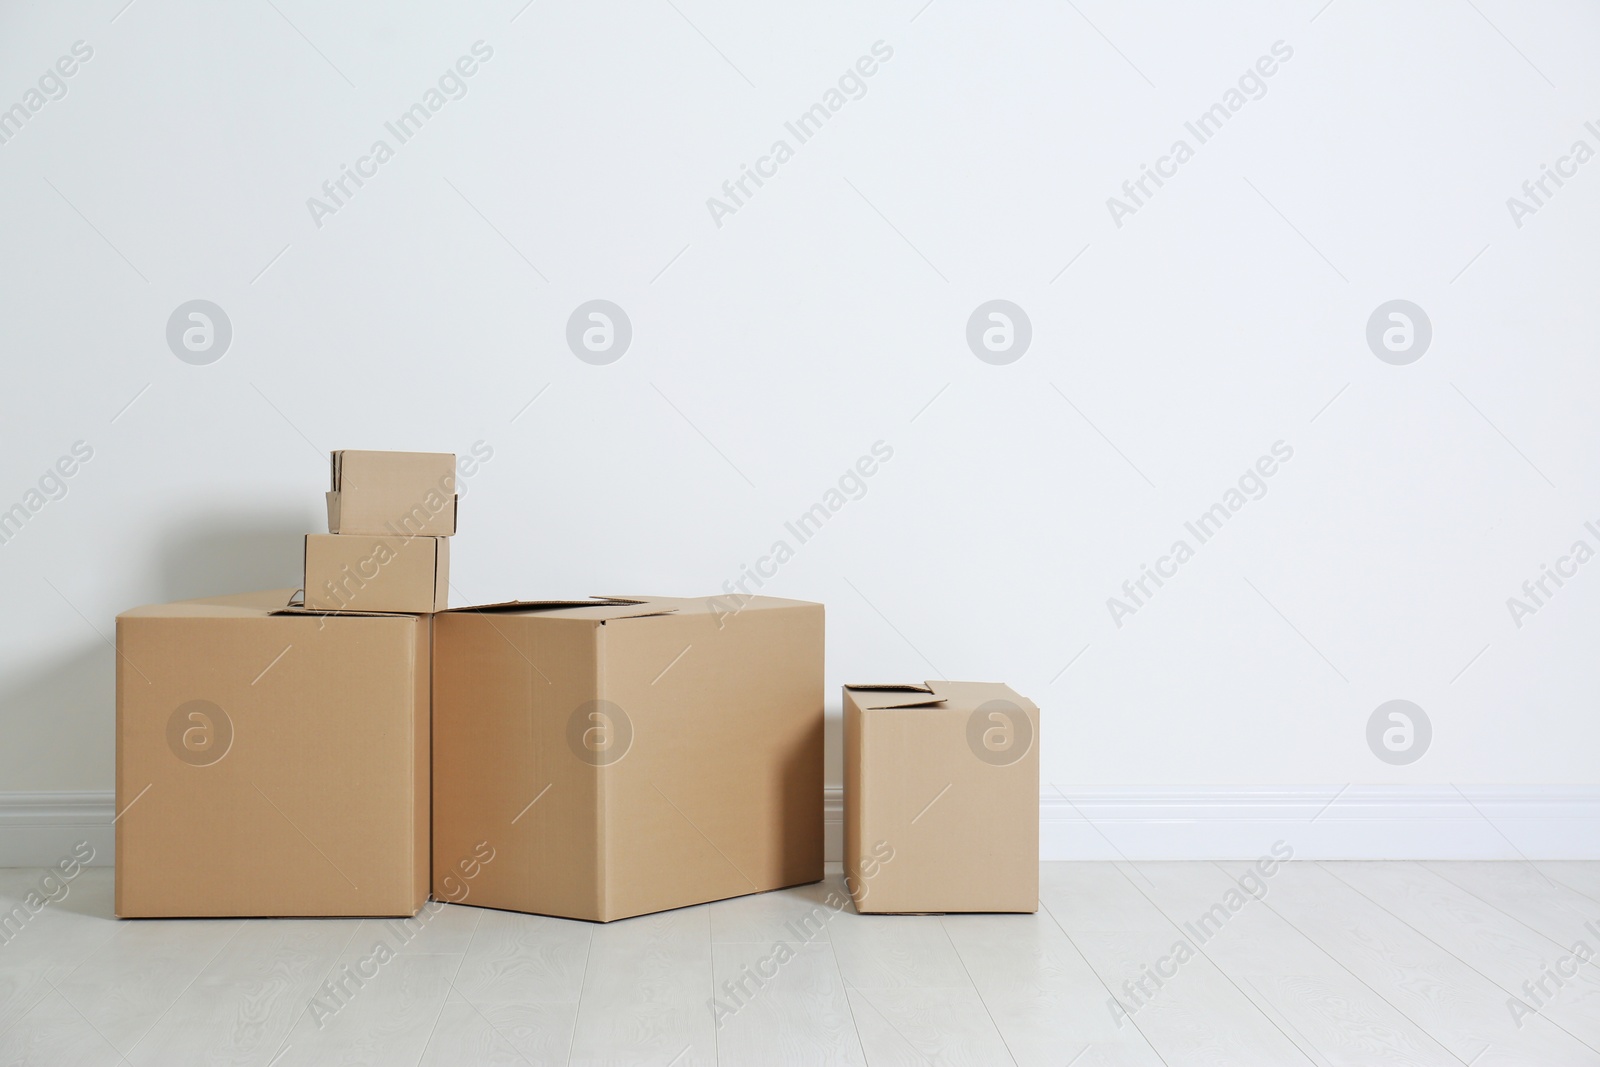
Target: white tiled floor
(1338, 963)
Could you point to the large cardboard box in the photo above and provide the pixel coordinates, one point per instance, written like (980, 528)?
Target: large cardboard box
(628, 755)
(401, 494)
(271, 763)
(941, 798)
(355, 572)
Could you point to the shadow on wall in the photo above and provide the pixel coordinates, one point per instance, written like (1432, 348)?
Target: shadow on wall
(61, 709)
(226, 552)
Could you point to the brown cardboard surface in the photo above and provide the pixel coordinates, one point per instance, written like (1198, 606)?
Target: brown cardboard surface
(269, 763)
(627, 755)
(941, 802)
(356, 572)
(401, 494)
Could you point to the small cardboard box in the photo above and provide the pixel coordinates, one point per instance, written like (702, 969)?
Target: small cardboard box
(270, 762)
(353, 572)
(628, 755)
(401, 494)
(941, 798)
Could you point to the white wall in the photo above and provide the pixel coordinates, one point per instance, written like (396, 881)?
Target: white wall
(829, 312)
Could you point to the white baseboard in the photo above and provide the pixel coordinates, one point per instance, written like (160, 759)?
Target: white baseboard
(41, 829)
(1426, 822)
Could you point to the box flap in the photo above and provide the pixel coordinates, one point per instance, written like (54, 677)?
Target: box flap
(598, 608)
(893, 687)
(721, 605)
(352, 614)
(235, 605)
(895, 695)
(957, 696)
(544, 605)
(296, 605)
(954, 696)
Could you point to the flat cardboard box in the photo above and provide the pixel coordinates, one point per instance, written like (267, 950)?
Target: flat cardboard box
(628, 755)
(271, 763)
(401, 494)
(355, 572)
(941, 798)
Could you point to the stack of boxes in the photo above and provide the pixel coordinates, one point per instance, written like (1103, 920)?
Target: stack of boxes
(351, 751)
(390, 517)
(273, 754)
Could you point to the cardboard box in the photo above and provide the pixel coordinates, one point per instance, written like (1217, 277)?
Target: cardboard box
(271, 763)
(628, 755)
(401, 494)
(352, 572)
(941, 798)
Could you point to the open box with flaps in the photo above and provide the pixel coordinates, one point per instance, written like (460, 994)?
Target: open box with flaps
(628, 755)
(941, 798)
(271, 760)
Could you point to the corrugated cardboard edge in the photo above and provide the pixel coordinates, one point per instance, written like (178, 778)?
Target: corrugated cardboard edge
(853, 799)
(119, 782)
(422, 766)
(441, 573)
(602, 790)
